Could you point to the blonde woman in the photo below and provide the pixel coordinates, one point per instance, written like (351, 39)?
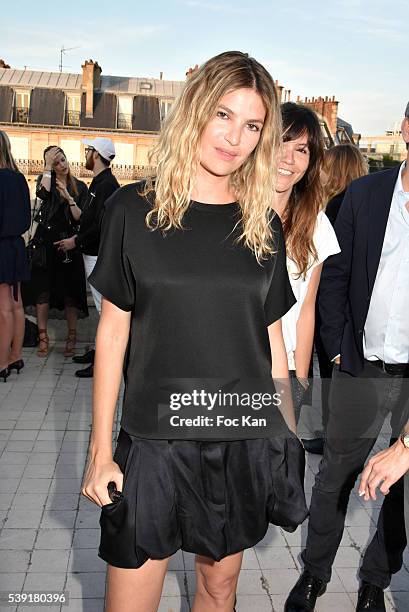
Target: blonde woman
(194, 285)
(58, 285)
(14, 221)
(342, 164)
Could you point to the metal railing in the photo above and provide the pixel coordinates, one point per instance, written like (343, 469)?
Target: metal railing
(124, 121)
(20, 114)
(78, 169)
(72, 117)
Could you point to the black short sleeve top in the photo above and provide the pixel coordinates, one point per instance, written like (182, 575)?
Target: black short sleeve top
(200, 302)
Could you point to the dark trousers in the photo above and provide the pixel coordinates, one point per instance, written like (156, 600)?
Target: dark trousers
(358, 407)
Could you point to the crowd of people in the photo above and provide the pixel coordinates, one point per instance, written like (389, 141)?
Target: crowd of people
(252, 246)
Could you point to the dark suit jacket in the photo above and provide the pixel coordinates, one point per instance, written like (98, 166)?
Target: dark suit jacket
(348, 278)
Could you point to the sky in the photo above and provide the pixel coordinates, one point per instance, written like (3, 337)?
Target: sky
(352, 49)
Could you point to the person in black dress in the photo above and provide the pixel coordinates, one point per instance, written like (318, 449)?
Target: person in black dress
(14, 221)
(192, 272)
(59, 285)
(342, 164)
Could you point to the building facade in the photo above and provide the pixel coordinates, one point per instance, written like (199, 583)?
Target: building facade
(38, 109)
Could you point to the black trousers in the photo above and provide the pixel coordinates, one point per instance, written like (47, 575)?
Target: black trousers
(358, 407)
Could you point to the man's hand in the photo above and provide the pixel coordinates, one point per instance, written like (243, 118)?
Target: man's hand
(65, 245)
(385, 467)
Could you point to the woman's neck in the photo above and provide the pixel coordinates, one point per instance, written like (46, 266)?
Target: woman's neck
(212, 189)
(282, 199)
(63, 178)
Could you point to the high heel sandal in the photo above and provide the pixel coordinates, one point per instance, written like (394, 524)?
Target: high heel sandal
(4, 374)
(44, 341)
(16, 365)
(70, 343)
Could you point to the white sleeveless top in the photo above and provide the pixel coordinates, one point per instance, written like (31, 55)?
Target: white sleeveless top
(326, 244)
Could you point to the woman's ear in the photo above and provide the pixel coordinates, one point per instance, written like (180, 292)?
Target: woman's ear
(405, 130)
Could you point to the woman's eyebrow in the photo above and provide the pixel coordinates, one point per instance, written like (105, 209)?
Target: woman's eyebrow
(229, 110)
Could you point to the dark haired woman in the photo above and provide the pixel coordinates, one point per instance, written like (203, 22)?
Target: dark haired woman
(194, 284)
(14, 221)
(309, 236)
(59, 284)
(342, 164)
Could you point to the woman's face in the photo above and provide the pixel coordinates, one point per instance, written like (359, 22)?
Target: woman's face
(60, 163)
(233, 133)
(293, 164)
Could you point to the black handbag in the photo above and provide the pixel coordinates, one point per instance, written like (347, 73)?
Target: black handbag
(288, 508)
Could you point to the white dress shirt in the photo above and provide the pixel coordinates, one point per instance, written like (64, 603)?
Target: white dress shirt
(326, 244)
(386, 332)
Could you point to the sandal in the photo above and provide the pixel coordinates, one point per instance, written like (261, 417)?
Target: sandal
(70, 342)
(44, 341)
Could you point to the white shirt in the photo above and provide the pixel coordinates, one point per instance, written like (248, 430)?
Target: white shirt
(326, 244)
(386, 332)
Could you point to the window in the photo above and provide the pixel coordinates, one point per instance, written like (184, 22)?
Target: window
(125, 110)
(165, 106)
(72, 149)
(73, 110)
(123, 154)
(19, 147)
(21, 106)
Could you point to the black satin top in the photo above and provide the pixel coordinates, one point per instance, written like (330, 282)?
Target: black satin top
(200, 303)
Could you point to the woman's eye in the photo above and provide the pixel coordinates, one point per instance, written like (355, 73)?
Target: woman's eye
(303, 150)
(253, 127)
(222, 114)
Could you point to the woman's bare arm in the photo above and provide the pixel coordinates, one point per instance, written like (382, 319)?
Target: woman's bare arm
(279, 372)
(111, 342)
(305, 327)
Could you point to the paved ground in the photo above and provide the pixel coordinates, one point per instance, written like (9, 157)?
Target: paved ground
(49, 534)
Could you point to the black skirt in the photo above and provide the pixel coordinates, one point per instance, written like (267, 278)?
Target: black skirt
(209, 498)
(13, 260)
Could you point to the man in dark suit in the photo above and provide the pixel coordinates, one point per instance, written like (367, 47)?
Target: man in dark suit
(364, 293)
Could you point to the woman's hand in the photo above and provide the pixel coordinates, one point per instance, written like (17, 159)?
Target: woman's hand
(50, 158)
(67, 244)
(97, 477)
(62, 190)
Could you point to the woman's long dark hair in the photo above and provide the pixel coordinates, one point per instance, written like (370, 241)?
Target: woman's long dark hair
(71, 182)
(307, 196)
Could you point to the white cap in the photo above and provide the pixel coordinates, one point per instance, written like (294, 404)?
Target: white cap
(104, 146)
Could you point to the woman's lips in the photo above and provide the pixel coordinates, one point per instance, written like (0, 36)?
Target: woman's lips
(225, 154)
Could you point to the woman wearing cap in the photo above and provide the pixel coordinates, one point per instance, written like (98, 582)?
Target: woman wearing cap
(57, 282)
(194, 284)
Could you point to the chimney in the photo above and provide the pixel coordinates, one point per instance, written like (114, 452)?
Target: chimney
(3, 64)
(192, 71)
(91, 80)
(161, 76)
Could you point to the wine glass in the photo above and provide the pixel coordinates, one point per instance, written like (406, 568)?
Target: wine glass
(63, 236)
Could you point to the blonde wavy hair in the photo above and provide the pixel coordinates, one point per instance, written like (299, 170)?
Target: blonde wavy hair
(6, 156)
(177, 153)
(342, 164)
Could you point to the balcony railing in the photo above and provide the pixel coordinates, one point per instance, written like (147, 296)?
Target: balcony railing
(124, 122)
(122, 172)
(72, 117)
(20, 114)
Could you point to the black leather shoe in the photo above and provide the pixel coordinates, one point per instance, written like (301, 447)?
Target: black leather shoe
(86, 372)
(314, 446)
(87, 357)
(304, 594)
(370, 598)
